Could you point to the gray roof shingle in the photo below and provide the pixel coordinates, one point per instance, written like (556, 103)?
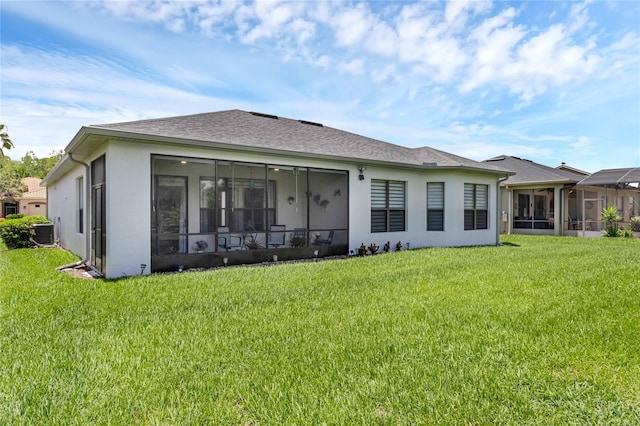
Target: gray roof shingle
(253, 130)
(529, 172)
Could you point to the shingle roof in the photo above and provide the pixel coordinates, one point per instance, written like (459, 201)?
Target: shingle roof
(255, 130)
(613, 176)
(529, 172)
(34, 190)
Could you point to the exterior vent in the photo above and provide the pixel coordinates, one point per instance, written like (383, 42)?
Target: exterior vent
(310, 123)
(259, 114)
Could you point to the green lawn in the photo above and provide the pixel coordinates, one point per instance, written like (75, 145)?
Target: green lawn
(541, 330)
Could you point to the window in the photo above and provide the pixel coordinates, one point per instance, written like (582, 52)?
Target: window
(476, 202)
(249, 209)
(387, 206)
(207, 205)
(80, 205)
(435, 206)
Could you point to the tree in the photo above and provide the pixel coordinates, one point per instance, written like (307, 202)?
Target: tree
(32, 166)
(10, 184)
(6, 141)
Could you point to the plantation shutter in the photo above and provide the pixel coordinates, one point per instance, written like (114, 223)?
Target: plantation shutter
(476, 206)
(396, 195)
(387, 205)
(469, 195)
(378, 194)
(378, 205)
(396, 206)
(482, 206)
(435, 206)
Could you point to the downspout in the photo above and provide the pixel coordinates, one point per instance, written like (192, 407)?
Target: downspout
(87, 195)
(561, 203)
(584, 220)
(498, 205)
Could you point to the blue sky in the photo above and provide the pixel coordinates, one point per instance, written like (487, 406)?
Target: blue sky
(548, 81)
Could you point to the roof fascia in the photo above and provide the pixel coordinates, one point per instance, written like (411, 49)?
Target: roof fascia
(85, 132)
(50, 177)
(541, 182)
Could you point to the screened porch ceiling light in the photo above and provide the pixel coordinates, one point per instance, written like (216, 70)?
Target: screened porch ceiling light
(183, 162)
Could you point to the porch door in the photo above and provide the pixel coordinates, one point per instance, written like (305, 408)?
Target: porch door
(98, 214)
(171, 214)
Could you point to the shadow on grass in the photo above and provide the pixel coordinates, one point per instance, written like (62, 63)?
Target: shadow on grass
(506, 243)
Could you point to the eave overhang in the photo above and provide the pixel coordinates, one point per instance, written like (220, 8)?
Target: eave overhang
(89, 138)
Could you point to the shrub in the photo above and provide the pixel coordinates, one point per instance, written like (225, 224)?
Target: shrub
(14, 216)
(17, 233)
(625, 233)
(635, 223)
(610, 231)
(610, 215)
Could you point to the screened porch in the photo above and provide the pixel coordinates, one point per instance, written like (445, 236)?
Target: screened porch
(208, 213)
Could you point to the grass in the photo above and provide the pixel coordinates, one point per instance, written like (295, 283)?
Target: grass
(541, 330)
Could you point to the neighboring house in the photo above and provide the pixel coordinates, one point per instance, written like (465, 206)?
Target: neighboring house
(33, 200)
(539, 199)
(200, 190)
(609, 187)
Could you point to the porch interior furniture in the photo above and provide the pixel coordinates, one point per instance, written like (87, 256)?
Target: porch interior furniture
(325, 241)
(228, 241)
(298, 238)
(276, 235)
(300, 233)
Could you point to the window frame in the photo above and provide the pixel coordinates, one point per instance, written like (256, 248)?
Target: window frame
(389, 215)
(80, 205)
(431, 227)
(476, 217)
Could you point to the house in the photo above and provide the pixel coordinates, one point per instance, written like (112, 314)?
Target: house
(234, 187)
(33, 200)
(543, 200)
(608, 187)
(537, 199)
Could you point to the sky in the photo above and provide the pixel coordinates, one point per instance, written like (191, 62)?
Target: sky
(548, 81)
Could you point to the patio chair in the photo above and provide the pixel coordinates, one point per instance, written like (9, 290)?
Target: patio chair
(298, 238)
(325, 241)
(228, 241)
(300, 233)
(276, 235)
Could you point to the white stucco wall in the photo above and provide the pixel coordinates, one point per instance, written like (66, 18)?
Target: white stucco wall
(128, 180)
(416, 186)
(62, 211)
(128, 200)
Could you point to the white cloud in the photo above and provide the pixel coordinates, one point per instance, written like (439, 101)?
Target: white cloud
(171, 14)
(457, 11)
(351, 25)
(354, 67)
(273, 19)
(413, 68)
(389, 71)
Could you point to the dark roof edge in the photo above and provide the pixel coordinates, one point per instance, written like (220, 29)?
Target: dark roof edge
(101, 131)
